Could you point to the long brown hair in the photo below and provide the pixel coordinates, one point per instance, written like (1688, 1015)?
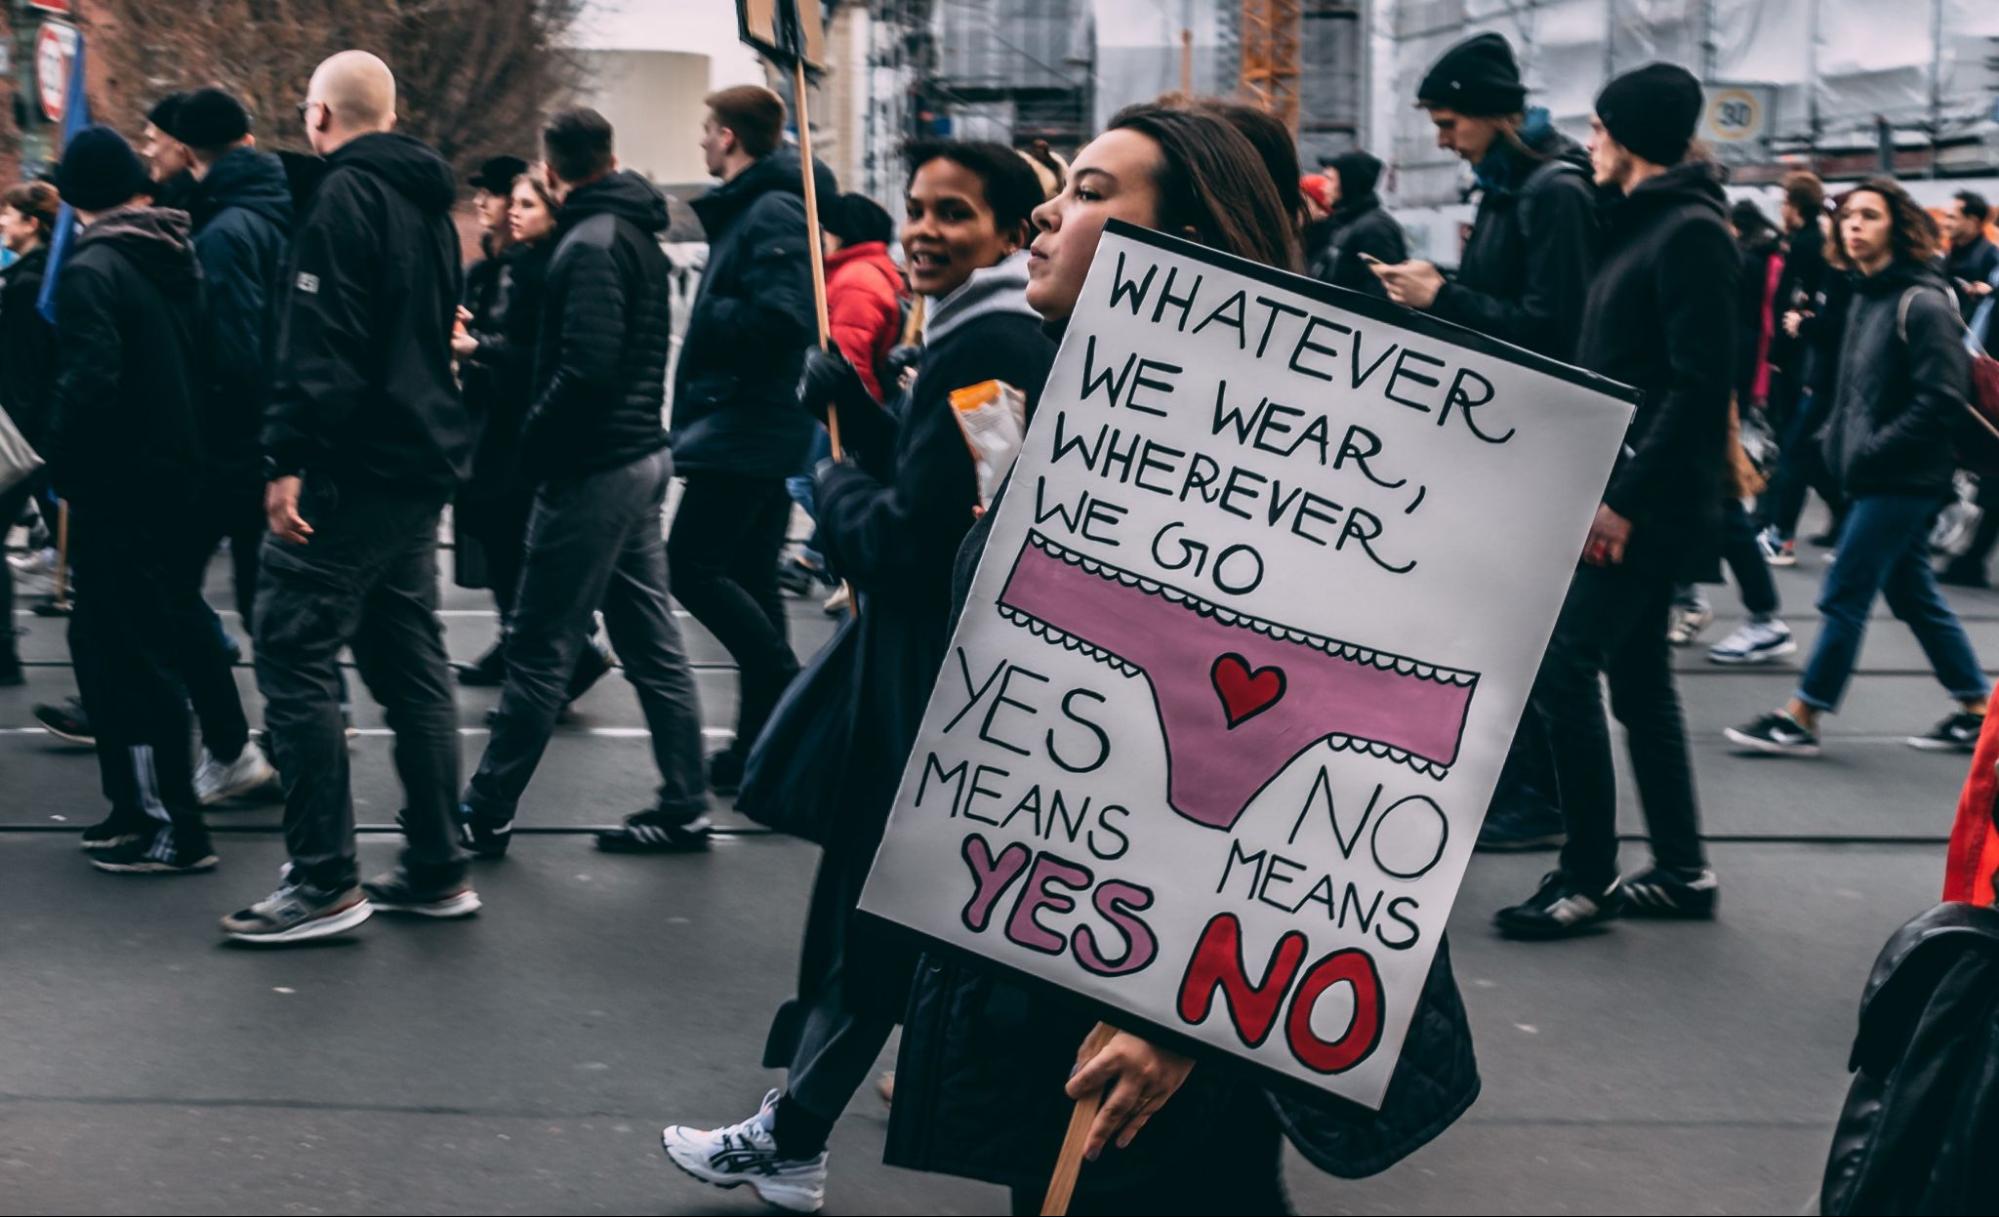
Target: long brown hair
(1214, 185)
(1912, 233)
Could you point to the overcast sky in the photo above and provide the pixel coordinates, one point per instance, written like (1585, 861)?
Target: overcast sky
(706, 26)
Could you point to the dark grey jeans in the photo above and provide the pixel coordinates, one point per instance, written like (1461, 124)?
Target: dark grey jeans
(595, 542)
(366, 580)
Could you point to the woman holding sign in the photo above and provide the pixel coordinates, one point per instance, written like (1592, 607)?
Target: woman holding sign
(891, 516)
(988, 1071)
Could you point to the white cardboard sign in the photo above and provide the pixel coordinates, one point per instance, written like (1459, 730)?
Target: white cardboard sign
(1256, 620)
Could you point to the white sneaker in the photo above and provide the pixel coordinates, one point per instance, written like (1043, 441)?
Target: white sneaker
(1688, 620)
(747, 1153)
(215, 782)
(1754, 642)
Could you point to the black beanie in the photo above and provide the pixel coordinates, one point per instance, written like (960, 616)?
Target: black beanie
(857, 220)
(497, 173)
(100, 171)
(165, 113)
(209, 118)
(1358, 172)
(1652, 111)
(1476, 77)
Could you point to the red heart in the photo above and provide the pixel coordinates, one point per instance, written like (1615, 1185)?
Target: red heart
(1245, 693)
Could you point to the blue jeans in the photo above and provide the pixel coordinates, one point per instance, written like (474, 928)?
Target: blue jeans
(1884, 549)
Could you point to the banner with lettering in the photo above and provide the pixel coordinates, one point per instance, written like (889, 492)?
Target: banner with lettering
(1256, 620)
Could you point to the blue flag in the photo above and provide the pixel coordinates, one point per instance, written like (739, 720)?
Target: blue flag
(75, 117)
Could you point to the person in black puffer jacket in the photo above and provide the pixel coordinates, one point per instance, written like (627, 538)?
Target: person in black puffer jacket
(738, 431)
(1660, 316)
(125, 453)
(1359, 229)
(1903, 378)
(593, 445)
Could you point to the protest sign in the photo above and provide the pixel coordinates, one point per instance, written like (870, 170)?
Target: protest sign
(1255, 622)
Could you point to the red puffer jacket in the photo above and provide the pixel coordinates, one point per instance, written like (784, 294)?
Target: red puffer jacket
(864, 293)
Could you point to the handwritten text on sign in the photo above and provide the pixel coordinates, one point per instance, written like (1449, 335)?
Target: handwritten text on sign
(1253, 628)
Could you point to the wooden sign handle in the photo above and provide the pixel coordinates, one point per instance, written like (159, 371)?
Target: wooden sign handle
(1069, 1163)
(815, 246)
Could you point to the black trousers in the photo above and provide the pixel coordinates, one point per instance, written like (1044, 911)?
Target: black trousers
(233, 511)
(365, 580)
(1247, 1180)
(1745, 560)
(122, 639)
(237, 514)
(1613, 625)
(723, 551)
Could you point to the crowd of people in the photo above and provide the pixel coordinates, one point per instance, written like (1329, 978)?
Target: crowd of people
(287, 354)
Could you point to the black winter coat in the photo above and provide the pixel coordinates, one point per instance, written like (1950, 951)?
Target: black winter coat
(242, 212)
(27, 347)
(980, 1072)
(504, 296)
(1806, 274)
(1900, 394)
(606, 324)
(1527, 263)
(735, 390)
(1922, 1115)
(1660, 317)
(363, 385)
(1750, 285)
(890, 523)
(127, 439)
(1363, 227)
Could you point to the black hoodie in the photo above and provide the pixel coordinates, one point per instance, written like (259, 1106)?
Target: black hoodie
(242, 211)
(1660, 316)
(127, 443)
(363, 387)
(1527, 262)
(1902, 384)
(735, 390)
(600, 368)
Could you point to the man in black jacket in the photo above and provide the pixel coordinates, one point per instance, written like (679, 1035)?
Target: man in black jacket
(1359, 231)
(27, 367)
(365, 440)
(126, 457)
(242, 214)
(1522, 277)
(593, 444)
(1660, 316)
(1972, 257)
(738, 431)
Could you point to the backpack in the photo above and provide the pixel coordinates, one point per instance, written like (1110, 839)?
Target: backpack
(1977, 432)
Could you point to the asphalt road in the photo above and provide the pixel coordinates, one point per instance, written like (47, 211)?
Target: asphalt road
(523, 1062)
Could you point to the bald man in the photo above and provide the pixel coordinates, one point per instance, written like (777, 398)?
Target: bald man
(365, 440)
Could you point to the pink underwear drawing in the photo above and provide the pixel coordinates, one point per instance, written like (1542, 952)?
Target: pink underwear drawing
(1239, 698)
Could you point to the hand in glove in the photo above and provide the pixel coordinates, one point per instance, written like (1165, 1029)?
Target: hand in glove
(901, 360)
(829, 381)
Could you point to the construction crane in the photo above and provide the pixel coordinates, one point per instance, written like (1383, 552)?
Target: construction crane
(1269, 76)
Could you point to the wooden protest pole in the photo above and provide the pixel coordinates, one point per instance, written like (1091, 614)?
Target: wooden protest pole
(60, 602)
(813, 242)
(1069, 1162)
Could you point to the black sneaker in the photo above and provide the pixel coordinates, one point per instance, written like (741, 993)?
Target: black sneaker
(1956, 574)
(649, 832)
(725, 771)
(165, 851)
(118, 828)
(1657, 892)
(67, 722)
(397, 892)
(1775, 734)
(489, 671)
(1958, 733)
(483, 836)
(1560, 909)
(1522, 825)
